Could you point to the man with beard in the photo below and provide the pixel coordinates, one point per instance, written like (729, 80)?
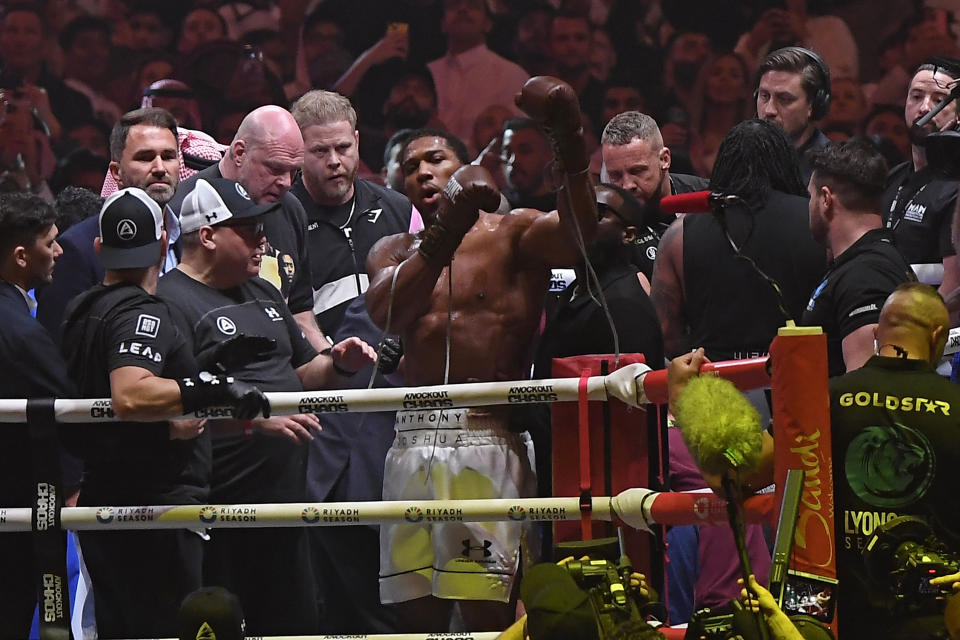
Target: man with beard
(793, 90)
(571, 37)
(346, 215)
(844, 214)
(636, 160)
(143, 154)
(526, 156)
(918, 201)
(411, 103)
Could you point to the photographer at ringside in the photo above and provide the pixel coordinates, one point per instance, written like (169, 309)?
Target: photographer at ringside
(559, 604)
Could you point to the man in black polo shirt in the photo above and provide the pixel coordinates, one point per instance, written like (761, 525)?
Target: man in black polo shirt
(896, 449)
(216, 288)
(121, 341)
(845, 192)
(919, 199)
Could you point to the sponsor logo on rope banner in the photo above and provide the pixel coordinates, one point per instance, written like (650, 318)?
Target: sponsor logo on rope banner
(517, 513)
(322, 404)
(539, 514)
(340, 515)
(106, 515)
(310, 515)
(46, 506)
(101, 409)
(413, 514)
(427, 400)
(52, 597)
(443, 514)
(531, 393)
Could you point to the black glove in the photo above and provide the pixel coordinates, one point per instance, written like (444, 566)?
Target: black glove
(206, 390)
(389, 354)
(237, 352)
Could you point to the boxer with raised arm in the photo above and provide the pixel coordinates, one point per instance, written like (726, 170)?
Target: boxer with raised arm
(488, 314)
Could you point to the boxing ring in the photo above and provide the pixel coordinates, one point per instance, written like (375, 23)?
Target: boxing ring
(796, 371)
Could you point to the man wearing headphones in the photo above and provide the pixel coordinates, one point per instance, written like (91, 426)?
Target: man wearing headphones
(793, 90)
(919, 199)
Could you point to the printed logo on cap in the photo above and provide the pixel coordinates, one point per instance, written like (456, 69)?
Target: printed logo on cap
(126, 229)
(241, 191)
(226, 325)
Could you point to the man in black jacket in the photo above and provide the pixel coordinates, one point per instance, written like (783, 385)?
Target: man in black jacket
(346, 216)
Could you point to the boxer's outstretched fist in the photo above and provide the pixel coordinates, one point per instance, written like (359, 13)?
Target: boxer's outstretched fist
(551, 102)
(554, 104)
(469, 189)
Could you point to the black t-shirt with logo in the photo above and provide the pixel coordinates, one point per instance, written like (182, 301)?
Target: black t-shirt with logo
(643, 249)
(854, 289)
(286, 262)
(896, 451)
(131, 463)
(261, 468)
(918, 206)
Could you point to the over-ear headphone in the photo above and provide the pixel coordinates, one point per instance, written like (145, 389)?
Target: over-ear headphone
(820, 104)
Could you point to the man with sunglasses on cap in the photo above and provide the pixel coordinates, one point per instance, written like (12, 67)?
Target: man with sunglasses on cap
(217, 288)
(120, 341)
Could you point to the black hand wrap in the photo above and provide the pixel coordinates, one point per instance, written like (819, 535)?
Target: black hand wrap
(389, 354)
(206, 390)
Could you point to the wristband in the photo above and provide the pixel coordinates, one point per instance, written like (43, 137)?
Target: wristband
(342, 372)
(248, 429)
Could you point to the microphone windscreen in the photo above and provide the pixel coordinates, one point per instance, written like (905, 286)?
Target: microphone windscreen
(720, 427)
(693, 202)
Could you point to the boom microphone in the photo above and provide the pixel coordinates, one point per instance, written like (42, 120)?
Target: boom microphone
(719, 426)
(696, 202)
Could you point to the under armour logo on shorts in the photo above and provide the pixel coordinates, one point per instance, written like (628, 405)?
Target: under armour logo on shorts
(485, 547)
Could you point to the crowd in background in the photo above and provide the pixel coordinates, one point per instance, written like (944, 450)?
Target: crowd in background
(78, 64)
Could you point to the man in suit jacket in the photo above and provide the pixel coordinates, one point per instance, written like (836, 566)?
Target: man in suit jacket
(30, 367)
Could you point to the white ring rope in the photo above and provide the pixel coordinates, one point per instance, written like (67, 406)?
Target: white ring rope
(633, 384)
(638, 508)
(471, 394)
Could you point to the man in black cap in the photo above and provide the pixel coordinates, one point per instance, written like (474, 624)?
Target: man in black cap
(120, 341)
(217, 289)
(211, 613)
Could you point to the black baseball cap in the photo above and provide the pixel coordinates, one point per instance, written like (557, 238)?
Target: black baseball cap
(130, 227)
(211, 612)
(556, 606)
(216, 200)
